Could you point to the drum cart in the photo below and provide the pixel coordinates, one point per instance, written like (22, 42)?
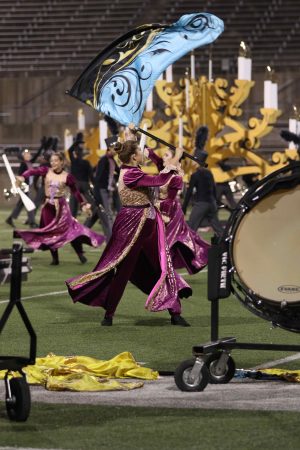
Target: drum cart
(17, 397)
(212, 362)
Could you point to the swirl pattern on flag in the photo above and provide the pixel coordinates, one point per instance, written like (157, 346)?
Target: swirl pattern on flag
(118, 81)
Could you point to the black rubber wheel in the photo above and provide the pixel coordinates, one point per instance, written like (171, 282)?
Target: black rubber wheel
(18, 406)
(182, 377)
(214, 376)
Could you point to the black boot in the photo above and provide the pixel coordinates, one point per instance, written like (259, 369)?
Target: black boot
(79, 251)
(55, 260)
(33, 225)
(107, 322)
(177, 319)
(10, 222)
(82, 258)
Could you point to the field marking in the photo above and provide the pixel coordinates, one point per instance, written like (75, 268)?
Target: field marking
(65, 292)
(271, 364)
(27, 448)
(38, 296)
(191, 274)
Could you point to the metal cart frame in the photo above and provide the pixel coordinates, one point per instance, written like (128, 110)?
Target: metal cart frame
(17, 396)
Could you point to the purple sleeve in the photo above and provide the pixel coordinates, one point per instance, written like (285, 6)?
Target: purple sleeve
(135, 177)
(174, 186)
(71, 183)
(40, 171)
(157, 160)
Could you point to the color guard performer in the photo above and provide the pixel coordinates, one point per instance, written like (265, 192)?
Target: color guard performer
(57, 225)
(187, 248)
(137, 250)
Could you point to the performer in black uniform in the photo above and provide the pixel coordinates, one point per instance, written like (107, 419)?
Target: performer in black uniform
(205, 206)
(82, 171)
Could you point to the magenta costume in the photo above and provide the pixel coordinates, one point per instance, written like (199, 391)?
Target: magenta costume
(187, 248)
(137, 251)
(57, 225)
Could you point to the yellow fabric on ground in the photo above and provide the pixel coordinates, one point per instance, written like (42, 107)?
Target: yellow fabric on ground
(288, 375)
(83, 373)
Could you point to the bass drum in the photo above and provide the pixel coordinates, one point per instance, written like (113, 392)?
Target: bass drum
(264, 235)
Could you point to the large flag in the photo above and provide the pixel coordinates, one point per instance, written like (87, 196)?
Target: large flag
(118, 81)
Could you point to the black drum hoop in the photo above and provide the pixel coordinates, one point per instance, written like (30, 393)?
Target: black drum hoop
(284, 315)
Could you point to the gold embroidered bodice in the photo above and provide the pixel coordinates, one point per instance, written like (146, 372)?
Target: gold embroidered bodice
(55, 184)
(163, 191)
(133, 197)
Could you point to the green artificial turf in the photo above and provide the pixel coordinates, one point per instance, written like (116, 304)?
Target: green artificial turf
(64, 328)
(67, 329)
(120, 428)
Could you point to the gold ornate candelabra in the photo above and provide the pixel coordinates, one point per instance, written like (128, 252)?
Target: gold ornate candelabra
(218, 106)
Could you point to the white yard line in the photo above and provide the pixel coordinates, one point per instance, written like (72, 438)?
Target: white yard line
(65, 292)
(271, 364)
(186, 273)
(39, 295)
(27, 448)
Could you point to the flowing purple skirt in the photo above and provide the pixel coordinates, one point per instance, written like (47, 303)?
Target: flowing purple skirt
(57, 228)
(162, 284)
(188, 250)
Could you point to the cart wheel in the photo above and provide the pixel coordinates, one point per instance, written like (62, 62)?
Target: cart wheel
(18, 406)
(217, 374)
(183, 378)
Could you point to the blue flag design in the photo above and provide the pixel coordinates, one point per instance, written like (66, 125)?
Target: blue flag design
(118, 81)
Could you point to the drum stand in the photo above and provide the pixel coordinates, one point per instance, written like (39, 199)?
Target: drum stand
(212, 362)
(17, 396)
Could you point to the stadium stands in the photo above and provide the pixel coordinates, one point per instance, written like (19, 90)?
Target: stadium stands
(48, 36)
(45, 45)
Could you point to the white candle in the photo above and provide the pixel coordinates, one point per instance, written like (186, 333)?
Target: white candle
(143, 138)
(180, 131)
(249, 68)
(68, 139)
(293, 128)
(270, 94)
(267, 94)
(274, 91)
(210, 69)
(80, 120)
(193, 71)
(187, 93)
(244, 68)
(102, 133)
(293, 125)
(149, 104)
(169, 74)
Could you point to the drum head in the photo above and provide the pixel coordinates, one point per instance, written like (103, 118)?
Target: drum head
(266, 247)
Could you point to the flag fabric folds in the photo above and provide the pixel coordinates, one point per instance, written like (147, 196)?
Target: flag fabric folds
(118, 81)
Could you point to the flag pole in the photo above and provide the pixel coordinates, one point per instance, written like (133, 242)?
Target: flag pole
(167, 144)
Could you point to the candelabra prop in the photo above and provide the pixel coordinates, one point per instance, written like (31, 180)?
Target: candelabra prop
(192, 102)
(218, 106)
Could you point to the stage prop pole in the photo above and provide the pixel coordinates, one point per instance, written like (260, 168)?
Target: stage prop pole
(167, 144)
(27, 202)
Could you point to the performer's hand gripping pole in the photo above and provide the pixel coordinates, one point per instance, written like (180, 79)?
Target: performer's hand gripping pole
(167, 144)
(27, 202)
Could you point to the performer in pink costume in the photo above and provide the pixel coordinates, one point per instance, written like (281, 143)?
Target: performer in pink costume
(137, 250)
(187, 248)
(57, 225)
